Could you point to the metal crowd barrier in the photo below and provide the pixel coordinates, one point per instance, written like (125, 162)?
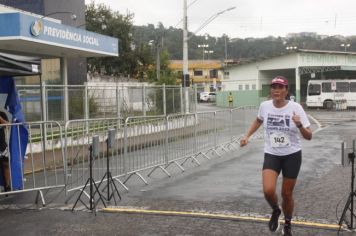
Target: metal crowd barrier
(43, 165)
(180, 137)
(144, 143)
(152, 142)
(78, 137)
(144, 139)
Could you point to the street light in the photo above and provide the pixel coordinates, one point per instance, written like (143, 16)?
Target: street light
(203, 46)
(208, 52)
(103, 26)
(291, 48)
(345, 45)
(185, 78)
(72, 15)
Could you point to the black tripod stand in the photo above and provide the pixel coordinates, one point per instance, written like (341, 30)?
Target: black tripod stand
(109, 178)
(349, 206)
(91, 182)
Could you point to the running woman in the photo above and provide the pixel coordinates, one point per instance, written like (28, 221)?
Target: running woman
(284, 122)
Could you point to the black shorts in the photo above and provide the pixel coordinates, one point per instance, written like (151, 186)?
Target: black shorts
(289, 164)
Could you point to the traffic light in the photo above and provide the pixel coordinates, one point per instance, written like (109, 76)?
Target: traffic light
(185, 80)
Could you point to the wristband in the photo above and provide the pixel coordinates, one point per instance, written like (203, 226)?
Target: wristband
(299, 126)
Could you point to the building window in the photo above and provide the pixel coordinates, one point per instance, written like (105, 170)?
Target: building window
(240, 87)
(326, 87)
(213, 74)
(253, 87)
(198, 73)
(247, 87)
(352, 87)
(226, 74)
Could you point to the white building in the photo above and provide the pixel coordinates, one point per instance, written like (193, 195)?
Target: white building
(250, 80)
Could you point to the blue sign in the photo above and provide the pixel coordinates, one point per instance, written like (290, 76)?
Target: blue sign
(36, 29)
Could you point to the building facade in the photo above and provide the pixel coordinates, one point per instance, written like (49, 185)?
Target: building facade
(205, 74)
(61, 10)
(251, 79)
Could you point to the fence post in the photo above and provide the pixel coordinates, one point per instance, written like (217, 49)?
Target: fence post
(86, 106)
(231, 126)
(195, 133)
(86, 101)
(164, 100)
(143, 99)
(195, 96)
(166, 141)
(43, 100)
(44, 114)
(125, 162)
(118, 107)
(215, 130)
(181, 101)
(64, 76)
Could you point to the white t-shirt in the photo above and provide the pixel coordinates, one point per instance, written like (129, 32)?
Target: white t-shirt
(281, 135)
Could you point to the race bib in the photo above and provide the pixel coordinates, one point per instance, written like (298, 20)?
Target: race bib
(279, 139)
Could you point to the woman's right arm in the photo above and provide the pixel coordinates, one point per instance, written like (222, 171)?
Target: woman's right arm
(254, 126)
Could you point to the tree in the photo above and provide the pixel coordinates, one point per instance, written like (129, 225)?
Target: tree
(101, 19)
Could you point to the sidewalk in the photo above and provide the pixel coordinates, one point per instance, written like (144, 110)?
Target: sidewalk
(229, 186)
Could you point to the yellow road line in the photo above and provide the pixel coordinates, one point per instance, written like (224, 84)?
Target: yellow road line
(215, 216)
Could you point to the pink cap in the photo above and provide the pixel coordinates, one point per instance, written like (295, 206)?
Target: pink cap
(280, 80)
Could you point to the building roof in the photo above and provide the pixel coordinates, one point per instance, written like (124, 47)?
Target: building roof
(244, 62)
(196, 64)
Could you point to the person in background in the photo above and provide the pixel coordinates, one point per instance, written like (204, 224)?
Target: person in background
(283, 121)
(4, 152)
(230, 99)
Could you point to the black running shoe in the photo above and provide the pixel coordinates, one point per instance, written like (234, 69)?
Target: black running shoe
(287, 230)
(274, 222)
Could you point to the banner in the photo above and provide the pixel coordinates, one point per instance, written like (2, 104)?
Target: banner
(18, 134)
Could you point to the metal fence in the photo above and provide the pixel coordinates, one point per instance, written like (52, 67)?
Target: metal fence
(151, 143)
(43, 165)
(78, 138)
(141, 145)
(71, 102)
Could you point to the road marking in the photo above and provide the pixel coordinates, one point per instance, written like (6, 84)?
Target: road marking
(320, 128)
(217, 216)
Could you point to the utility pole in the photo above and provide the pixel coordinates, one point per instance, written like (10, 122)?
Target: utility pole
(185, 79)
(158, 60)
(225, 49)
(185, 82)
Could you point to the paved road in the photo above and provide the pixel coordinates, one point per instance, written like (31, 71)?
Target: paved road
(229, 186)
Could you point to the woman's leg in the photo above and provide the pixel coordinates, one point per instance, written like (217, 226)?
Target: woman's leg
(269, 179)
(287, 196)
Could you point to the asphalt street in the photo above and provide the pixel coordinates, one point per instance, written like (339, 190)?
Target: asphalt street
(222, 196)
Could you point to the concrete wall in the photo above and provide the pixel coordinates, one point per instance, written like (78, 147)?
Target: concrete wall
(241, 98)
(242, 75)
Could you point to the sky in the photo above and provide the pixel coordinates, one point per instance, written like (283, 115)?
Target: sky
(250, 18)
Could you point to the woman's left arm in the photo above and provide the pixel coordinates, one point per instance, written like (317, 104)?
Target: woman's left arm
(305, 131)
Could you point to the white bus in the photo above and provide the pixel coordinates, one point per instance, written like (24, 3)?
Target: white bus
(324, 93)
